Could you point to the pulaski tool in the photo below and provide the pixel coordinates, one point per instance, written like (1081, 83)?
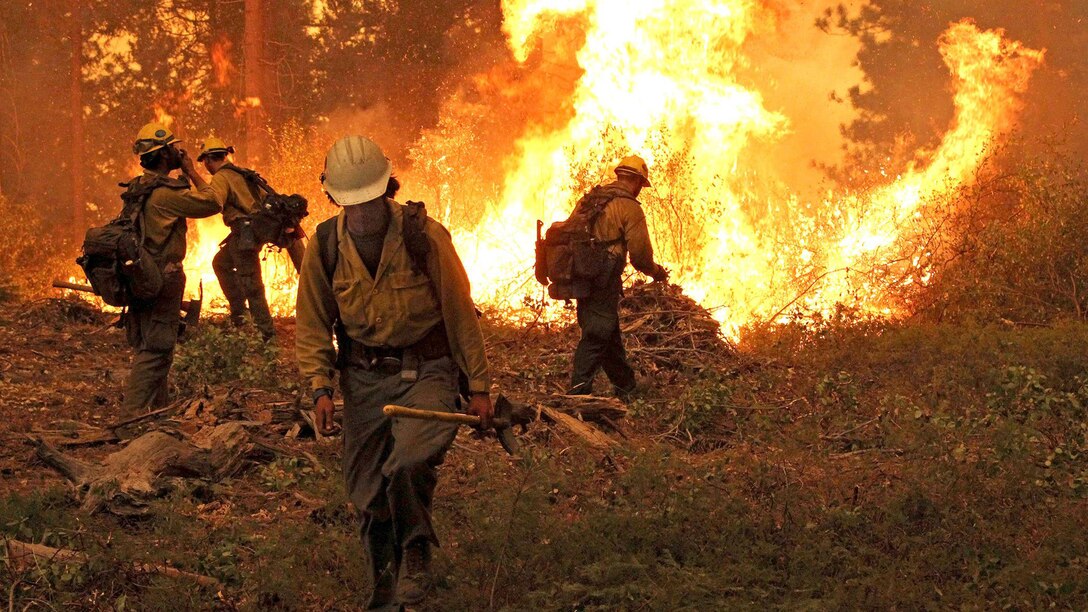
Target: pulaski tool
(503, 426)
(191, 308)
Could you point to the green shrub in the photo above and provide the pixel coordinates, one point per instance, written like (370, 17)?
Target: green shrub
(216, 355)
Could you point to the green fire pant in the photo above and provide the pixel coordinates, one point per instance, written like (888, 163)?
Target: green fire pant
(152, 330)
(390, 465)
(239, 272)
(601, 345)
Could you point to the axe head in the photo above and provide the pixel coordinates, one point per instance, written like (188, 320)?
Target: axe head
(504, 427)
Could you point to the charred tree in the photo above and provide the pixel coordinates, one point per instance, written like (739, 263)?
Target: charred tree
(4, 86)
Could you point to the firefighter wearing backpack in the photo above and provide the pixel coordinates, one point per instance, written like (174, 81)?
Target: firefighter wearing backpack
(237, 265)
(152, 324)
(387, 279)
(621, 225)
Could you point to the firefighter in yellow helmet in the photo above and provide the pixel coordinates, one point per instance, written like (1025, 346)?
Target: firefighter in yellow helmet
(387, 278)
(621, 224)
(237, 265)
(152, 325)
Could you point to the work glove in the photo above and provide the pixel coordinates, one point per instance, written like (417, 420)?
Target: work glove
(661, 275)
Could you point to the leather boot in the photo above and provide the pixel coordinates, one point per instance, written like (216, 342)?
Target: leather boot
(383, 566)
(416, 580)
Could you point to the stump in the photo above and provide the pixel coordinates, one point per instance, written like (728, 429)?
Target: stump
(149, 466)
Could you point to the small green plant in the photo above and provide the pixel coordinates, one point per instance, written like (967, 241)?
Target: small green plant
(216, 355)
(287, 472)
(222, 562)
(838, 391)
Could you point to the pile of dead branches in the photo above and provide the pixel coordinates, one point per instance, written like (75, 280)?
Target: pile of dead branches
(667, 330)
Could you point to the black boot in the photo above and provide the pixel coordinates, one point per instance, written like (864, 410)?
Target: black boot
(383, 566)
(416, 581)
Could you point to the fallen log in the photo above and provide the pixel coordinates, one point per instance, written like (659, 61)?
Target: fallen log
(602, 410)
(146, 468)
(74, 433)
(22, 554)
(588, 433)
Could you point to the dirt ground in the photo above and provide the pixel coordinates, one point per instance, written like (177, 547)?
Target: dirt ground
(892, 467)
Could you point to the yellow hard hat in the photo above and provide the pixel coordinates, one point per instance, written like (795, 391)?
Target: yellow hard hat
(633, 164)
(213, 144)
(153, 137)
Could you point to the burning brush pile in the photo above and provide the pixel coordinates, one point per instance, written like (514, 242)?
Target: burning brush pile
(667, 331)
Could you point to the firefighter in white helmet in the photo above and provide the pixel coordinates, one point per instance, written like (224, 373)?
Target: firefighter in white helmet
(387, 278)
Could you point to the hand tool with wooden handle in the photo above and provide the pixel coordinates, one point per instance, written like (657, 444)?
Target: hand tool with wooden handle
(503, 430)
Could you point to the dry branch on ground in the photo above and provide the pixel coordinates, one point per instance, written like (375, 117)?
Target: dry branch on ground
(25, 554)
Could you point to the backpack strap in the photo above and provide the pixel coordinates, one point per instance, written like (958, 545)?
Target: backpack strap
(252, 177)
(415, 236)
(596, 201)
(138, 191)
(329, 243)
(136, 195)
(412, 231)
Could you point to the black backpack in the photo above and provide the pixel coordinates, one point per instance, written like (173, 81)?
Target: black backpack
(278, 217)
(120, 269)
(570, 260)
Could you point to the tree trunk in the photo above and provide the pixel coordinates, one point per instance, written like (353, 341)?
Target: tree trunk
(254, 82)
(123, 481)
(4, 86)
(76, 144)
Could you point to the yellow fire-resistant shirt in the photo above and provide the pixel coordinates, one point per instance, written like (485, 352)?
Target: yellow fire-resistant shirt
(237, 197)
(394, 309)
(624, 220)
(165, 213)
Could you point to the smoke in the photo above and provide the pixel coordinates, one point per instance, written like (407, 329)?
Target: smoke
(803, 74)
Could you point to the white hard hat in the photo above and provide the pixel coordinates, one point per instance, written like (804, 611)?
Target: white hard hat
(356, 171)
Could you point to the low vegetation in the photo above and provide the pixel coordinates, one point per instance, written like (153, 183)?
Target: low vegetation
(864, 465)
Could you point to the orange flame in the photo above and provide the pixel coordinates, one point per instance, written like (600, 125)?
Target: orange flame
(659, 80)
(243, 106)
(222, 65)
(162, 116)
